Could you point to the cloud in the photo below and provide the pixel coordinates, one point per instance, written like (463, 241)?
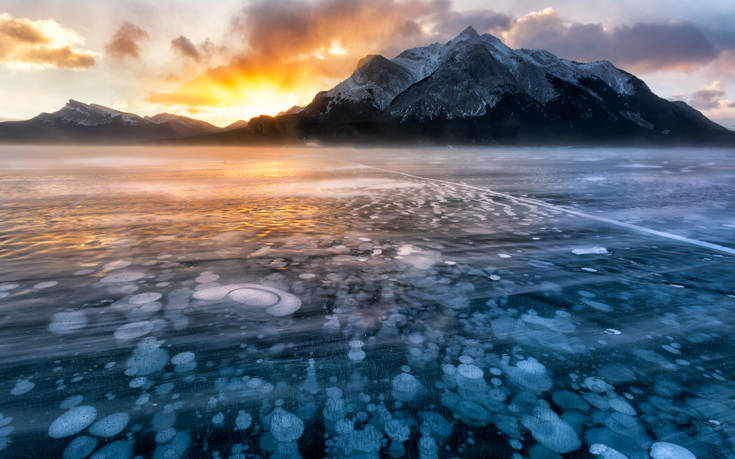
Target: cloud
(449, 23)
(186, 48)
(289, 50)
(640, 47)
(28, 44)
(125, 42)
(295, 48)
(709, 97)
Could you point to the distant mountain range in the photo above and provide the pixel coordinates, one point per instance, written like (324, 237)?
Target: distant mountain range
(470, 90)
(77, 122)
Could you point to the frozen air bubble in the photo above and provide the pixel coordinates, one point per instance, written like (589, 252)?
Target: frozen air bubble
(243, 420)
(80, 447)
(71, 402)
(111, 425)
(551, 431)
(664, 450)
(597, 385)
(117, 450)
(469, 371)
(67, 322)
(334, 392)
(73, 421)
(122, 277)
(117, 264)
(356, 355)
(22, 386)
(147, 358)
(206, 278)
(143, 298)
(590, 251)
(165, 435)
(405, 387)
(286, 427)
(138, 382)
(45, 284)
(183, 358)
(133, 330)
(7, 287)
(605, 452)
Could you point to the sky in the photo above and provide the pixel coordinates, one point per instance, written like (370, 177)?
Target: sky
(234, 59)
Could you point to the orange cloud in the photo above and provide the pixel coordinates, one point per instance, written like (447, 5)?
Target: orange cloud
(296, 48)
(28, 44)
(125, 42)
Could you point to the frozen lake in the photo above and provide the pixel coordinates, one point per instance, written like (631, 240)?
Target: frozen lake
(424, 303)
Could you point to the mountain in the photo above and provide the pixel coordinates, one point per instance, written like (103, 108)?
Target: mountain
(291, 111)
(476, 90)
(236, 125)
(78, 122)
(472, 89)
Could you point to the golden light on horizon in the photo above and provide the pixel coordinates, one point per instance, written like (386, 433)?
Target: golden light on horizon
(245, 89)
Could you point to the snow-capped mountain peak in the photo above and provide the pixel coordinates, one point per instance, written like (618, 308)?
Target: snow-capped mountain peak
(499, 70)
(474, 87)
(81, 114)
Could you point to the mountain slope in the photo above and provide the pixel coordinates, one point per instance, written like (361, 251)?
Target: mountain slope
(79, 122)
(474, 89)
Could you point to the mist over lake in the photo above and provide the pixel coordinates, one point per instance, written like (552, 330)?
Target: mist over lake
(344, 302)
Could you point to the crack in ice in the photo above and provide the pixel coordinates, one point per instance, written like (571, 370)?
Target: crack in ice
(539, 203)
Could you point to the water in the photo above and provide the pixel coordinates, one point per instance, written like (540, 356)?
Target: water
(173, 302)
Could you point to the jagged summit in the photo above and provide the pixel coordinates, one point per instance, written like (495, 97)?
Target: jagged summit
(468, 33)
(475, 88)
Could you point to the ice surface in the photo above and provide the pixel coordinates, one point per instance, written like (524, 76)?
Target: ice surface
(445, 312)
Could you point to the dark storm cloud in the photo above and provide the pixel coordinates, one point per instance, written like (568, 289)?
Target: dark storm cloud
(186, 48)
(125, 42)
(451, 23)
(709, 97)
(641, 46)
